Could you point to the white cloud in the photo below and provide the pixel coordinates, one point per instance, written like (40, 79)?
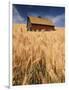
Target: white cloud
(17, 17)
(58, 20)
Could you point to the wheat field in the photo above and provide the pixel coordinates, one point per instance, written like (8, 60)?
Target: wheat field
(38, 57)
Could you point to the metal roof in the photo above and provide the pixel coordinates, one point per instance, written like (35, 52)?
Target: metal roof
(40, 20)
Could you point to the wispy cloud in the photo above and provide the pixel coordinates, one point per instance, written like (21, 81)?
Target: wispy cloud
(17, 17)
(58, 20)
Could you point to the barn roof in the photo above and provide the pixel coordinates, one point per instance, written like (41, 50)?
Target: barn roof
(40, 20)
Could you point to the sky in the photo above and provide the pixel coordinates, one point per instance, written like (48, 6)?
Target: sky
(56, 14)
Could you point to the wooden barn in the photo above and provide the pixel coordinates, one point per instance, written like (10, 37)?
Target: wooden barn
(39, 23)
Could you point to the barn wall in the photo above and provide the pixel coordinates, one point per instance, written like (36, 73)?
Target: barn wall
(28, 24)
(42, 27)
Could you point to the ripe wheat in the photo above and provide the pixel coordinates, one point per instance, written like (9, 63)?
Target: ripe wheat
(38, 57)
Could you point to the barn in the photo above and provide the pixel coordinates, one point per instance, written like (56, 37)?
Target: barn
(39, 23)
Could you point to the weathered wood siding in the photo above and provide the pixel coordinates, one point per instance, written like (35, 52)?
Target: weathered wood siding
(28, 24)
(41, 27)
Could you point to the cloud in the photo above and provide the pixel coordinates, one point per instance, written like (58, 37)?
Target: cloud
(17, 17)
(58, 20)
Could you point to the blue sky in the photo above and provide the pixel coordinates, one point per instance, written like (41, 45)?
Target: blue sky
(56, 14)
